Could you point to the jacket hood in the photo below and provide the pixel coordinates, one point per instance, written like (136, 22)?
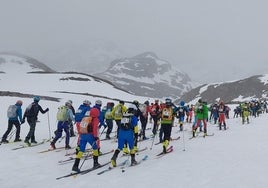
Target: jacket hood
(94, 112)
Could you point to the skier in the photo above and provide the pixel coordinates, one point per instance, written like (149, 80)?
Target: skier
(222, 112)
(202, 115)
(89, 134)
(64, 116)
(15, 120)
(245, 111)
(167, 118)
(117, 114)
(144, 108)
(71, 125)
(79, 114)
(31, 113)
(109, 119)
(181, 111)
(126, 134)
(155, 114)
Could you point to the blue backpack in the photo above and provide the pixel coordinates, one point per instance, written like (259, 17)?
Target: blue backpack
(80, 113)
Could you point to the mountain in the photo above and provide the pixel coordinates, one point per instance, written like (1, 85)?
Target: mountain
(22, 76)
(147, 75)
(254, 87)
(9, 59)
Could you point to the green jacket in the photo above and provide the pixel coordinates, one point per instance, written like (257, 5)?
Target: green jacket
(201, 111)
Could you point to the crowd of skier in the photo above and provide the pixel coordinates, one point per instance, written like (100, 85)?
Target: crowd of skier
(89, 120)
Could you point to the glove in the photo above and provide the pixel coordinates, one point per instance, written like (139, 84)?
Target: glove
(47, 109)
(96, 138)
(22, 121)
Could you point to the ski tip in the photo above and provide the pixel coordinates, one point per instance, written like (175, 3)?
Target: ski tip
(145, 157)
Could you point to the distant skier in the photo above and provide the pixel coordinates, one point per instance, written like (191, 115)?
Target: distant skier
(14, 118)
(31, 113)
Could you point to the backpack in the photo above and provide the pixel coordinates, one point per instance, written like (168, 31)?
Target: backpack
(12, 111)
(142, 108)
(80, 113)
(108, 114)
(32, 110)
(126, 122)
(118, 111)
(86, 125)
(167, 114)
(62, 114)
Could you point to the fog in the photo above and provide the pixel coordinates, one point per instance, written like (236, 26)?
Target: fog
(210, 40)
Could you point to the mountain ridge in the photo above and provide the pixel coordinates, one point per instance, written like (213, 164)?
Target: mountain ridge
(145, 74)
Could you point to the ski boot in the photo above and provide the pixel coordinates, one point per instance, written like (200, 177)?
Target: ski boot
(133, 161)
(113, 159)
(76, 164)
(96, 164)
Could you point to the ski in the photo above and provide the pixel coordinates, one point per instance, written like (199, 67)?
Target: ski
(205, 135)
(31, 145)
(73, 153)
(138, 162)
(171, 139)
(71, 159)
(51, 149)
(169, 149)
(137, 152)
(196, 135)
(177, 138)
(91, 169)
(111, 167)
(82, 172)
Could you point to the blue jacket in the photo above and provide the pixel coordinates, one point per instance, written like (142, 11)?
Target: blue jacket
(80, 113)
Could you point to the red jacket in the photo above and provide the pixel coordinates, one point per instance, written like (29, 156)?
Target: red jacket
(94, 113)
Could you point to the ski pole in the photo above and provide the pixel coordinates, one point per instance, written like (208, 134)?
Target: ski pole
(152, 142)
(183, 140)
(11, 134)
(87, 155)
(102, 131)
(49, 131)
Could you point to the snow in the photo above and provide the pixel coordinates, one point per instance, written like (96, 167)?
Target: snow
(264, 78)
(233, 158)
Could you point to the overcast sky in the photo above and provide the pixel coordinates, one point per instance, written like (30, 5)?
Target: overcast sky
(211, 40)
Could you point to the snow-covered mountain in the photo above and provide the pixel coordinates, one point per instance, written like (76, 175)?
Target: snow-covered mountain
(11, 61)
(23, 76)
(254, 87)
(147, 75)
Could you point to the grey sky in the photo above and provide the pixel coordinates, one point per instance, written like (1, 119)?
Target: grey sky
(211, 40)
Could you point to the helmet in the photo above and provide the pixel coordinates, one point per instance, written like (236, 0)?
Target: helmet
(182, 103)
(19, 102)
(87, 102)
(200, 100)
(135, 102)
(156, 101)
(132, 109)
(110, 104)
(36, 98)
(146, 102)
(122, 102)
(168, 102)
(70, 101)
(98, 102)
